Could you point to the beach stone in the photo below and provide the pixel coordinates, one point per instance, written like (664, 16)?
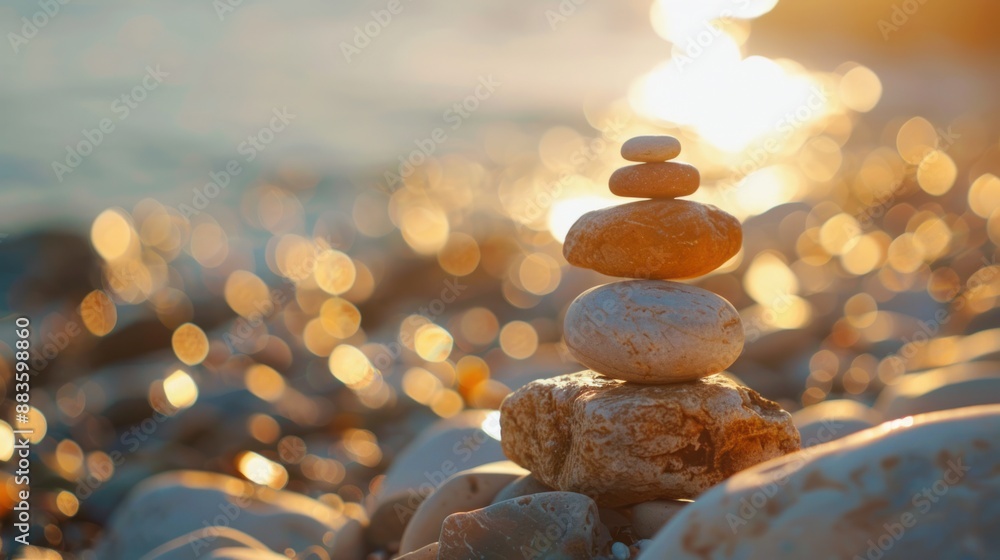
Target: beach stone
(444, 448)
(623, 443)
(523, 486)
(554, 526)
(921, 487)
(465, 491)
(176, 503)
(429, 552)
(956, 386)
(652, 331)
(651, 148)
(234, 553)
(655, 239)
(207, 539)
(649, 517)
(829, 420)
(655, 180)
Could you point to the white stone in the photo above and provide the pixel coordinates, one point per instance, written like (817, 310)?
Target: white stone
(652, 331)
(919, 487)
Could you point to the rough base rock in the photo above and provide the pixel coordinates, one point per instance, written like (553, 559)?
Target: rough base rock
(623, 443)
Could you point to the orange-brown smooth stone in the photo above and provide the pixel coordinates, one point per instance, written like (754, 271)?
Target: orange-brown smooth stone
(659, 239)
(651, 148)
(655, 180)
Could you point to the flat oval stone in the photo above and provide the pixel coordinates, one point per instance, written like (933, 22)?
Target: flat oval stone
(659, 239)
(624, 443)
(925, 486)
(655, 180)
(651, 148)
(653, 331)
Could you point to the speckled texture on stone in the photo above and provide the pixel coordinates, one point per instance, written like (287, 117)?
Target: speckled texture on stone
(622, 443)
(651, 148)
(553, 525)
(655, 180)
(657, 239)
(922, 487)
(653, 331)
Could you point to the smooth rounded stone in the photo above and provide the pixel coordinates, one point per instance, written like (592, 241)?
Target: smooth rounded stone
(179, 502)
(443, 449)
(465, 491)
(554, 525)
(207, 539)
(921, 487)
(653, 331)
(941, 389)
(468, 439)
(649, 517)
(623, 443)
(656, 239)
(429, 552)
(242, 554)
(524, 486)
(655, 180)
(958, 394)
(829, 420)
(651, 148)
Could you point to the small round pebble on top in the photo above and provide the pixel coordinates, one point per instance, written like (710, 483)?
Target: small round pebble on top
(651, 149)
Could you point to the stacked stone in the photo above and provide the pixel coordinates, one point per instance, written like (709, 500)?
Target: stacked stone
(655, 417)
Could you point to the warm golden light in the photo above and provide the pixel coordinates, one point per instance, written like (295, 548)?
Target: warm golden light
(181, 391)
(112, 234)
(263, 471)
(190, 344)
(99, 313)
(433, 343)
(334, 272)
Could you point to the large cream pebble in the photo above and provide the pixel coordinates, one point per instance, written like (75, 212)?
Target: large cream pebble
(923, 486)
(651, 331)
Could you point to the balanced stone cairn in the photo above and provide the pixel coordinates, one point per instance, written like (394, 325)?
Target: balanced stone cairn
(655, 417)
